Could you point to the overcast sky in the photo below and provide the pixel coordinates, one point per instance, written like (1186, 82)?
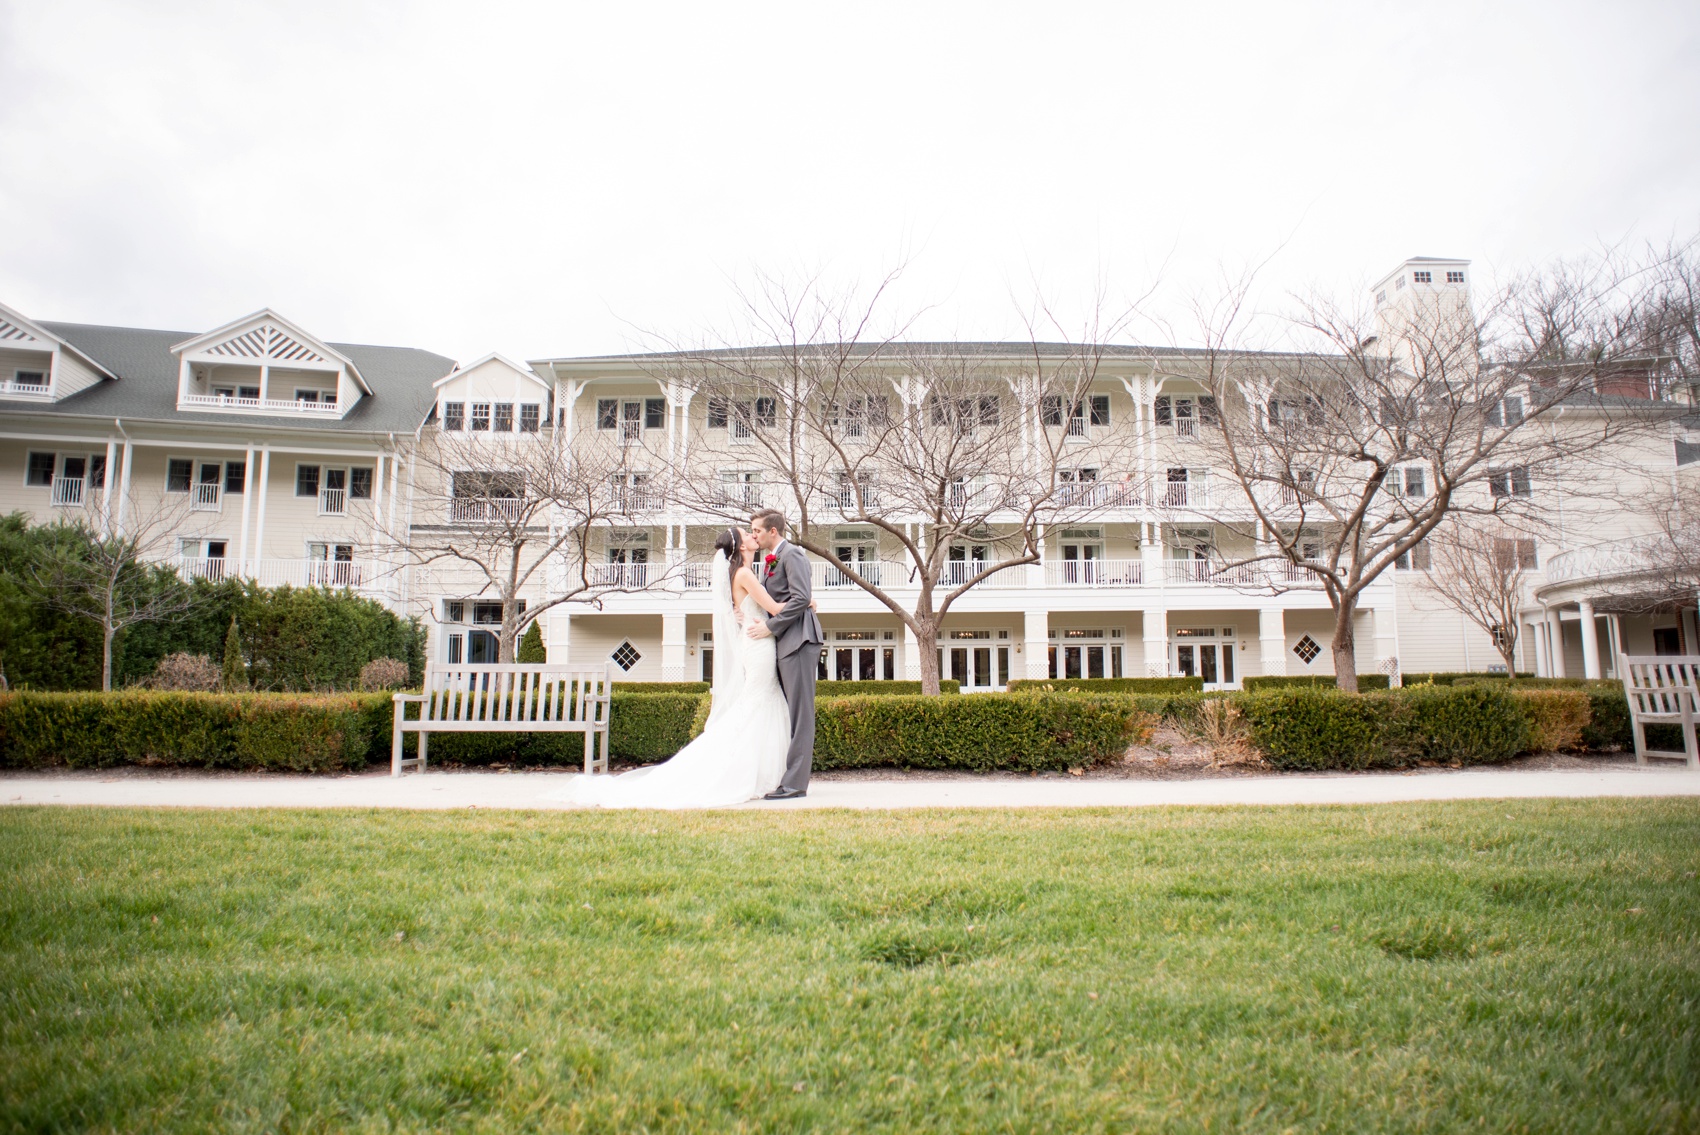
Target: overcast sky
(554, 179)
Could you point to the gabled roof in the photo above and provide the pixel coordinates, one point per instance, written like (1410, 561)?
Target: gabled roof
(17, 330)
(496, 356)
(400, 379)
(267, 337)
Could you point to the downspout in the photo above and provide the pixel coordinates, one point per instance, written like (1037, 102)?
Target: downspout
(124, 477)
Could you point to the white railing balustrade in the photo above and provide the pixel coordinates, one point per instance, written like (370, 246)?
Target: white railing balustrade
(477, 510)
(204, 496)
(1094, 573)
(623, 575)
(333, 502)
(335, 574)
(636, 500)
(67, 491)
(695, 576)
(258, 405)
(11, 388)
(1184, 494)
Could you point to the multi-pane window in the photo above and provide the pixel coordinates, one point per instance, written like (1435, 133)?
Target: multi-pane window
(29, 378)
(481, 416)
(504, 421)
(1293, 411)
(1507, 411)
(530, 417)
(180, 471)
(607, 413)
(235, 476)
(1510, 482)
(1417, 559)
(1454, 277)
(1514, 554)
(40, 472)
(306, 481)
(454, 611)
(360, 484)
(1409, 481)
(1422, 277)
(717, 413)
(454, 415)
(654, 413)
(853, 417)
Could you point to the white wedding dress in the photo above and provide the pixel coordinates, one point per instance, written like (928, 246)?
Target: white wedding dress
(740, 754)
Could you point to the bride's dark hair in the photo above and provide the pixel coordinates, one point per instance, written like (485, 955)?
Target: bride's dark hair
(731, 542)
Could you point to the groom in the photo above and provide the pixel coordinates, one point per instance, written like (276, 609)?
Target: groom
(786, 574)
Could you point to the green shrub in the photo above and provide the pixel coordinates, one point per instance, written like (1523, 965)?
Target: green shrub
(1320, 681)
(1112, 685)
(662, 687)
(642, 726)
(1608, 725)
(987, 732)
(1180, 708)
(1314, 727)
(1557, 718)
(300, 733)
(1466, 724)
(530, 647)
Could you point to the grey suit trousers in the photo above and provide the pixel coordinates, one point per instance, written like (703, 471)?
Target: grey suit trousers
(797, 673)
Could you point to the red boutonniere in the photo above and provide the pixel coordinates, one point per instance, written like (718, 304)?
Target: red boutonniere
(770, 561)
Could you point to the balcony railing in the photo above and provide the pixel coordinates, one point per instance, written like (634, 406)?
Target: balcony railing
(333, 502)
(11, 388)
(635, 500)
(1619, 558)
(1181, 572)
(204, 496)
(479, 510)
(1094, 573)
(258, 405)
(335, 574)
(844, 500)
(624, 575)
(67, 491)
(1184, 494)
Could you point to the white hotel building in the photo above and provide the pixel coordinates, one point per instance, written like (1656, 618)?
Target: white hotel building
(287, 459)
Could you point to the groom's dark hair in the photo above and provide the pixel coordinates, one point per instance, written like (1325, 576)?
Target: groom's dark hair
(771, 519)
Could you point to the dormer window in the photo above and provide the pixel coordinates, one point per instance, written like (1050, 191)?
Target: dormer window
(1454, 277)
(454, 416)
(28, 378)
(263, 364)
(306, 395)
(1422, 277)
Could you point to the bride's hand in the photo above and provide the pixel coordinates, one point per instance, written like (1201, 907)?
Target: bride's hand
(813, 607)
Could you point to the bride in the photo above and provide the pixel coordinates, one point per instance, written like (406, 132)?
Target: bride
(740, 754)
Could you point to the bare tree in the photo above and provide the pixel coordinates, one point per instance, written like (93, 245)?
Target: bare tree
(1348, 456)
(961, 458)
(514, 512)
(111, 576)
(1482, 572)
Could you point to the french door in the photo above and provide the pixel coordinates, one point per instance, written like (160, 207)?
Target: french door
(1202, 652)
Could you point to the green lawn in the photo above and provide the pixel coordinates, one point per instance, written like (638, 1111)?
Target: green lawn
(1527, 966)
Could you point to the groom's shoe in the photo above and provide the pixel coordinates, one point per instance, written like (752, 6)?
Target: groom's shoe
(786, 794)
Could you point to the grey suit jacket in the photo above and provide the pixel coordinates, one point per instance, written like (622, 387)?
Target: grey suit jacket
(792, 584)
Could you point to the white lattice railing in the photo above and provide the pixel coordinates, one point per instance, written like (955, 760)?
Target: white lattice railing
(67, 491)
(1603, 561)
(1094, 573)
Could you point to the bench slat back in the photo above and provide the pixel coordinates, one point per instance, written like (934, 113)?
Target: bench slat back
(516, 693)
(1660, 684)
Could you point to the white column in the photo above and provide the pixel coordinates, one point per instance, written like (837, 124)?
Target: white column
(260, 486)
(1272, 639)
(1156, 621)
(378, 502)
(1535, 635)
(110, 473)
(247, 509)
(1151, 557)
(673, 648)
(1590, 641)
(1555, 644)
(1615, 623)
(124, 485)
(1386, 639)
(1035, 643)
(560, 629)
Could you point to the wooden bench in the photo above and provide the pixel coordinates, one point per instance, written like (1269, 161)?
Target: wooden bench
(507, 697)
(1663, 689)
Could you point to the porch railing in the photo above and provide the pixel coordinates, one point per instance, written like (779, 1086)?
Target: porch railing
(67, 491)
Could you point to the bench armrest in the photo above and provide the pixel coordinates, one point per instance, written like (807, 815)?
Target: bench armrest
(408, 697)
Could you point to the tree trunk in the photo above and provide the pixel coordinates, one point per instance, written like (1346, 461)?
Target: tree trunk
(106, 657)
(506, 644)
(1346, 647)
(1508, 652)
(927, 640)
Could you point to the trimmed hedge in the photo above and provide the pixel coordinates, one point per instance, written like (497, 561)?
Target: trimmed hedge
(991, 732)
(284, 732)
(1448, 677)
(642, 726)
(1557, 718)
(1319, 681)
(1317, 728)
(1112, 685)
